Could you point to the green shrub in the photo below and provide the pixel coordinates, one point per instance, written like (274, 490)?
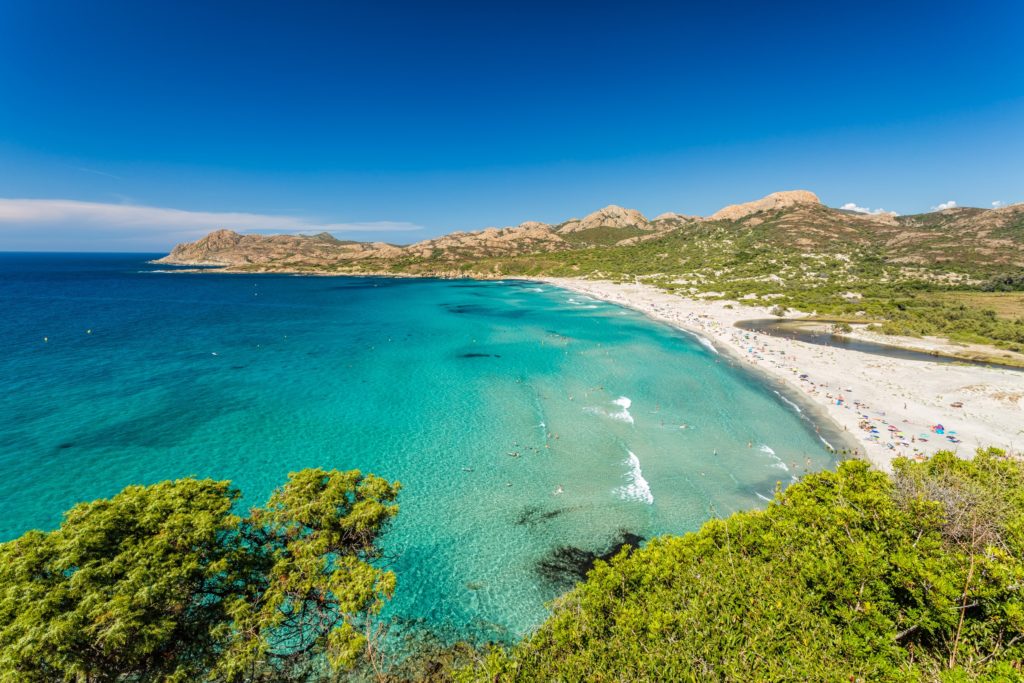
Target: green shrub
(165, 583)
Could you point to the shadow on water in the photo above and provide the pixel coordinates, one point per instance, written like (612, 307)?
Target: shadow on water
(567, 565)
(490, 311)
(165, 425)
(377, 283)
(532, 515)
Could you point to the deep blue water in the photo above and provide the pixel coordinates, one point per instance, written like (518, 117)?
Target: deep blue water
(519, 417)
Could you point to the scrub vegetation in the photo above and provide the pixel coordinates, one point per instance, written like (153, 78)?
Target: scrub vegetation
(847, 575)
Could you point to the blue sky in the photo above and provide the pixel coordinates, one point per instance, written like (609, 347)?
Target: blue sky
(131, 125)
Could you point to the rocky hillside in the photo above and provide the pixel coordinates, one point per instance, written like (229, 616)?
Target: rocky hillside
(777, 201)
(795, 223)
(610, 225)
(232, 250)
(528, 237)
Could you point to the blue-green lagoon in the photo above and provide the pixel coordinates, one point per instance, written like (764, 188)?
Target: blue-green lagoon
(519, 417)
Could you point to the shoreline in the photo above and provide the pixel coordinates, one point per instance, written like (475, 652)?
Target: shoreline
(853, 391)
(830, 432)
(814, 378)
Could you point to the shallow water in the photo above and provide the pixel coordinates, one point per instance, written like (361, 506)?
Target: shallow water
(520, 418)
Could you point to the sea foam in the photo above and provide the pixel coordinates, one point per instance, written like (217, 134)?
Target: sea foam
(778, 463)
(791, 404)
(623, 414)
(637, 490)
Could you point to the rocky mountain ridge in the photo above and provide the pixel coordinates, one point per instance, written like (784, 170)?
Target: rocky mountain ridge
(791, 220)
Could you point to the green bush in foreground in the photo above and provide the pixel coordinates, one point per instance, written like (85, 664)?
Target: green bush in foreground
(165, 583)
(847, 575)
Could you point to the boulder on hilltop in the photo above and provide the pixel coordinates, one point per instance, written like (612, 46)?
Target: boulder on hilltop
(773, 202)
(611, 216)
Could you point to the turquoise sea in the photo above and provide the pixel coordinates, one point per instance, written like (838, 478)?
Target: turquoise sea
(531, 427)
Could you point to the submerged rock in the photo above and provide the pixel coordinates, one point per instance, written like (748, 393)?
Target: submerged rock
(567, 565)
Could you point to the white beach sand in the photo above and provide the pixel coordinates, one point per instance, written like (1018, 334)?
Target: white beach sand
(878, 393)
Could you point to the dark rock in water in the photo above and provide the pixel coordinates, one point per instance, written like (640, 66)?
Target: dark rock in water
(479, 309)
(367, 284)
(532, 515)
(67, 444)
(479, 355)
(567, 565)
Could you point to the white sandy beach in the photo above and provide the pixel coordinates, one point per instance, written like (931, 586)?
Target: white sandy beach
(901, 400)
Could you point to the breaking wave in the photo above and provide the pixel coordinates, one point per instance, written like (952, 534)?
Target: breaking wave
(637, 489)
(790, 403)
(623, 414)
(704, 341)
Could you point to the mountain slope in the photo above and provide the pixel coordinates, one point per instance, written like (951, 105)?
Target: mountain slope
(964, 240)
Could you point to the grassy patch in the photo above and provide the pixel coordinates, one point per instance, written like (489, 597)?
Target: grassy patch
(1006, 305)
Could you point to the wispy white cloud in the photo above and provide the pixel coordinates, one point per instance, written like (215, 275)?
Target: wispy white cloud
(945, 205)
(997, 203)
(134, 217)
(156, 225)
(850, 206)
(93, 171)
